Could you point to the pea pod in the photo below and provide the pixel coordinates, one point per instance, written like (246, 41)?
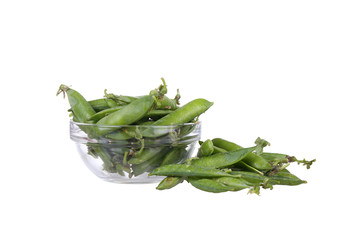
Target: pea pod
(251, 177)
(239, 164)
(183, 170)
(174, 156)
(185, 113)
(104, 156)
(102, 104)
(286, 178)
(210, 185)
(120, 134)
(220, 160)
(276, 158)
(126, 115)
(169, 182)
(167, 103)
(218, 150)
(148, 165)
(237, 183)
(79, 106)
(145, 155)
(119, 99)
(158, 113)
(99, 115)
(251, 159)
(206, 148)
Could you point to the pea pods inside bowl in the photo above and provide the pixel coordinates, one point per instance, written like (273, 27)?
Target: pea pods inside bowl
(125, 156)
(123, 138)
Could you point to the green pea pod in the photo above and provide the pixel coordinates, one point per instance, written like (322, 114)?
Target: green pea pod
(145, 155)
(167, 103)
(183, 170)
(220, 160)
(185, 113)
(224, 144)
(79, 106)
(119, 99)
(120, 134)
(149, 165)
(253, 178)
(276, 158)
(174, 156)
(237, 183)
(286, 178)
(102, 104)
(104, 156)
(251, 159)
(209, 185)
(99, 115)
(218, 150)
(158, 113)
(127, 115)
(119, 169)
(169, 182)
(206, 148)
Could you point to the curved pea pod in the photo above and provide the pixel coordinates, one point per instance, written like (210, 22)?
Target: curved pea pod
(251, 159)
(251, 177)
(276, 158)
(149, 165)
(105, 156)
(119, 169)
(169, 182)
(119, 99)
(145, 155)
(120, 134)
(185, 113)
(102, 104)
(167, 103)
(285, 178)
(218, 150)
(210, 185)
(220, 160)
(99, 115)
(237, 183)
(174, 156)
(79, 106)
(158, 113)
(206, 148)
(225, 144)
(127, 115)
(183, 170)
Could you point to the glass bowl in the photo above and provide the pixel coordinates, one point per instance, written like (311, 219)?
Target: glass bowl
(126, 154)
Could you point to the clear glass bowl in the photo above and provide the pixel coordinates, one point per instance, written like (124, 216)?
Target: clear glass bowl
(126, 154)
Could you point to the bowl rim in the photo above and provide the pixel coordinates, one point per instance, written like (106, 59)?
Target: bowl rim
(141, 126)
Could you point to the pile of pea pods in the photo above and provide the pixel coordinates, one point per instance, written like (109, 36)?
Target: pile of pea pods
(219, 166)
(134, 135)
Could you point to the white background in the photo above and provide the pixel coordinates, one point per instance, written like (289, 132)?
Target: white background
(282, 70)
